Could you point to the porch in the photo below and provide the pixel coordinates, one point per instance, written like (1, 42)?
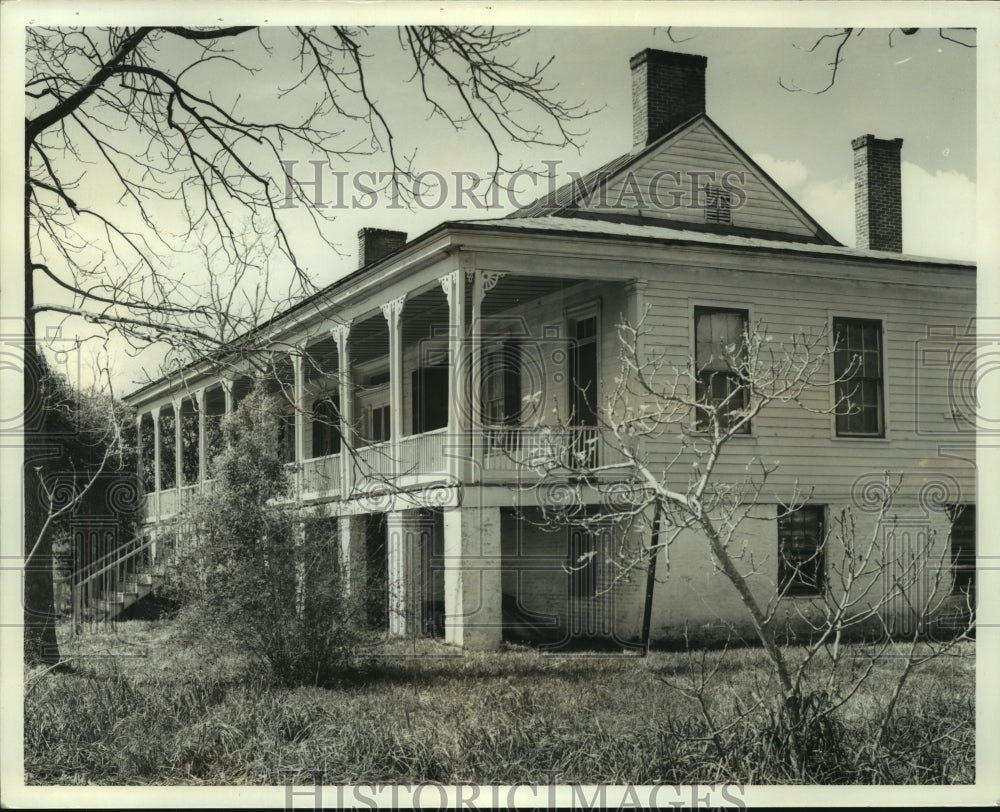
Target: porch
(476, 376)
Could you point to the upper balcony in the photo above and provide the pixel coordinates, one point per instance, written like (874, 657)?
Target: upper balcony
(464, 380)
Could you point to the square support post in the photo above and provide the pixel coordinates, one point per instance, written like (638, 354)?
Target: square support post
(472, 582)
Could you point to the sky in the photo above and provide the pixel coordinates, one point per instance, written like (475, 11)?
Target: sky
(920, 88)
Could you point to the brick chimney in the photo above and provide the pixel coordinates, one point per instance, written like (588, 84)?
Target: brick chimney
(375, 243)
(668, 89)
(878, 199)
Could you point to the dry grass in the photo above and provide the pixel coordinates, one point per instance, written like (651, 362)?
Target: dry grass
(173, 717)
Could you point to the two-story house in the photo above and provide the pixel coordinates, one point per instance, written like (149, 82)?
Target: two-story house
(421, 383)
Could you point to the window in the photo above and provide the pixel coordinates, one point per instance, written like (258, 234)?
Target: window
(801, 565)
(582, 564)
(380, 424)
(857, 360)
(326, 426)
(963, 549)
(502, 393)
(583, 371)
(584, 393)
(430, 398)
(718, 205)
(720, 342)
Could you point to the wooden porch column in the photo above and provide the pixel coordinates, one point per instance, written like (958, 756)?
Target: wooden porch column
(202, 400)
(157, 479)
(228, 385)
(298, 396)
(178, 450)
(342, 336)
(143, 497)
(393, 312)
(453, 285)
(138, 447)
(482, 283)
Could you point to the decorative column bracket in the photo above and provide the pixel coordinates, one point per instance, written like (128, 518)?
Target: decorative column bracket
(393, 309)
(482, 283)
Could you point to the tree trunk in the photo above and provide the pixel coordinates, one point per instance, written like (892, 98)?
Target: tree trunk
(40, 645)
(647, 612)
(790, 707)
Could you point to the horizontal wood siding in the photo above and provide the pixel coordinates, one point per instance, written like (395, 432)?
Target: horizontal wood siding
(701, 150)
(918, 391)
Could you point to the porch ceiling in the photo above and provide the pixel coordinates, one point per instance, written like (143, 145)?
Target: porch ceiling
(369, 339)
(512, 291)
(423, 313)
(321, 358)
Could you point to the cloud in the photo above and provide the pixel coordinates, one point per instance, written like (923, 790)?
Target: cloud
(939, 211)
(832, 204)
(787, 174)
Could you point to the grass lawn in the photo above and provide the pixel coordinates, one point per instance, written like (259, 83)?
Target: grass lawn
(143, 709)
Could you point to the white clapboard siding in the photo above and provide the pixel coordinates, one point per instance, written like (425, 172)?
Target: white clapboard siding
(918, 395)
(702, 149)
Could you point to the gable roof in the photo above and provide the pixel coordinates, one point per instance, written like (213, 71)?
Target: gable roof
(698, 145)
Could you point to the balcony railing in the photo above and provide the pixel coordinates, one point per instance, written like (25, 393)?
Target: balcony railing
(168, 502)
(188, 494)
(549, 447)
(375, 461)
(421, 457)
(424, 455)
(321, 474)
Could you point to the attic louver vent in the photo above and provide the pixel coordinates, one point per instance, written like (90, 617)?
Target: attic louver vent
(718, 205)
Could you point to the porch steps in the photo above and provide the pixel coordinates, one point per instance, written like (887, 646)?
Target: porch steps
(115, 583)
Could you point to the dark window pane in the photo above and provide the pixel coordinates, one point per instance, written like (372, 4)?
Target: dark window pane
(858, 361)
(380, 425)
(583, 392)
(326, 426)
(584, 385)
(801, 564)
(430, 399)
(583, 564)
(502, 393)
